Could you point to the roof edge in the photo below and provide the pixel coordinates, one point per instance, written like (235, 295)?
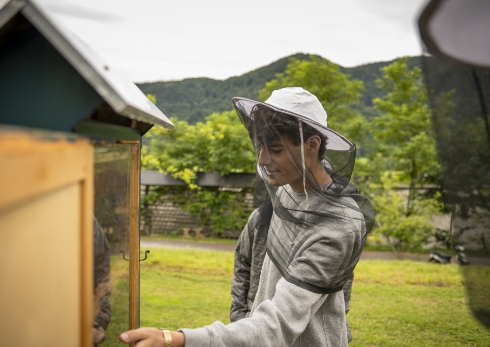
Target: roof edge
(118, 97)
(53, 34)
(10, 9)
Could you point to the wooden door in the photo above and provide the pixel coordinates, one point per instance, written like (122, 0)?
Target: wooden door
(46, 243)
(116, 209)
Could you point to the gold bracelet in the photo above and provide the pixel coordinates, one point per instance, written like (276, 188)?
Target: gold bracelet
(167, 337)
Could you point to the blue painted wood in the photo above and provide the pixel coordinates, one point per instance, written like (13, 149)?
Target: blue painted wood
(38, 87)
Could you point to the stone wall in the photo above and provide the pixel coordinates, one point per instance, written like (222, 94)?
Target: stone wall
(167, 217)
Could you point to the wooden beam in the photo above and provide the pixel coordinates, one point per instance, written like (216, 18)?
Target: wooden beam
(36, 167)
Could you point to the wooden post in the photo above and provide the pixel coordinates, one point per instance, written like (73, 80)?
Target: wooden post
(134, 239)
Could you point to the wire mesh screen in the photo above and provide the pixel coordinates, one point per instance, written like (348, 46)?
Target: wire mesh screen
(460, 102)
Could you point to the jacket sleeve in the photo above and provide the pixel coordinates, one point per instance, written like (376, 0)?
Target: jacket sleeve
(347, 294)
(282, 319)
(240, 284)
(276, 322)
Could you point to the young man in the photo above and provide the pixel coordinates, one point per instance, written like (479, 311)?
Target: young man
(312, 230)
(249, 257)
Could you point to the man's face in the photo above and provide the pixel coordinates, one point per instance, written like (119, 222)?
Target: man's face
(277, 158)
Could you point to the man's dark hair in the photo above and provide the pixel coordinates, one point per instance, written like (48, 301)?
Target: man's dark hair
(267, 125)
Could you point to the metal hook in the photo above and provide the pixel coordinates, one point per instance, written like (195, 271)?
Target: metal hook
(124, 255)
(146, 255)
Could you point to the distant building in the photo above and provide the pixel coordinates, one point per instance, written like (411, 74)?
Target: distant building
(166, 215)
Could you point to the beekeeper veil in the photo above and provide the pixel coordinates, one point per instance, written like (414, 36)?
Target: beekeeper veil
(319, 222)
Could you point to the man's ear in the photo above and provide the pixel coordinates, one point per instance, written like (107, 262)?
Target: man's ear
(313, 144)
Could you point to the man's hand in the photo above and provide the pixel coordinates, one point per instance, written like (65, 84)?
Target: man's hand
(151, 337)
(99, 335)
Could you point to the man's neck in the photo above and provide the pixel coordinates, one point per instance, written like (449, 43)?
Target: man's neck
(320, 177)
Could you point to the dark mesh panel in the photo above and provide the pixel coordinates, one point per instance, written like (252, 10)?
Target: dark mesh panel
(460, 102)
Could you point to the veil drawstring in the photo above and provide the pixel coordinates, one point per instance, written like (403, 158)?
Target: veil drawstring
(303, 162)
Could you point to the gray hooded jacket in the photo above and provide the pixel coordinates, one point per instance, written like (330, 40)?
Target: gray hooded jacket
(249, 257)
(283, 314)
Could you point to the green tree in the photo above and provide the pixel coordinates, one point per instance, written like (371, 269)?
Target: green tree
(401, 231)
(404, 154)
(220, 144)
(152, 98)
(334, 89)
(403, 132)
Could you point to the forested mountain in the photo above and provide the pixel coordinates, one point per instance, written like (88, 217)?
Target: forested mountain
(368, 74)
(195, 98)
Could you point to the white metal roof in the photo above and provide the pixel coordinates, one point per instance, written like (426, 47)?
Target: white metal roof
(120, 93)
(204, 179)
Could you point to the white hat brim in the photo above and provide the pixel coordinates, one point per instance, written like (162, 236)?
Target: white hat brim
(336, 142)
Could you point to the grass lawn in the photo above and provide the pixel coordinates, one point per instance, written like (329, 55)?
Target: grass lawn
(119, 302)
(403, 303)
(185, 288)
(394, 303)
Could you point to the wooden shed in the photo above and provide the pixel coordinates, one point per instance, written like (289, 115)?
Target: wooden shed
(70, 136)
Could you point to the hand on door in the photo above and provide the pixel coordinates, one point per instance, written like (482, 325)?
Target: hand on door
(151, 337)
(99, 335)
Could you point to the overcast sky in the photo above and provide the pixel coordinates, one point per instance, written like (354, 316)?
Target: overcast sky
(150, 40)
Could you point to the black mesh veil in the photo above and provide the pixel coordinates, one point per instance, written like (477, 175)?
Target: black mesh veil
(460, 102)
(456, 65)
(319, 222)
